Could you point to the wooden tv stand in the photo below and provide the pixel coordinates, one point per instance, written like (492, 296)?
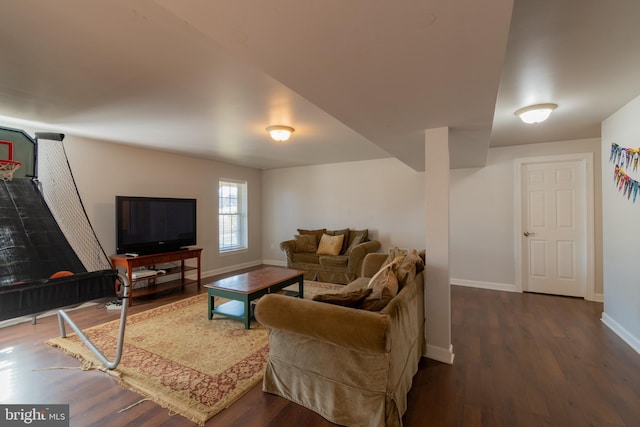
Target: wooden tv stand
(129, 263)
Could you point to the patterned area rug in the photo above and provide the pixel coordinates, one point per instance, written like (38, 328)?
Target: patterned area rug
(179, 359)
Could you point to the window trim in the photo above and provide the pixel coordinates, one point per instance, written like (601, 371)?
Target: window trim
(242, 216)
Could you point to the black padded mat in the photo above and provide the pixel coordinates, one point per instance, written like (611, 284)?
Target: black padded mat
(32, 246)
(38, 296)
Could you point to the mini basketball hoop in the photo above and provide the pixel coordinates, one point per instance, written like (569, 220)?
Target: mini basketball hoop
(9, 166)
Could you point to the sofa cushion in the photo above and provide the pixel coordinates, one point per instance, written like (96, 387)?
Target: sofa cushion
(306, 243)
(345, 299)
(305, 258)
(333, 261)
(330, 245)
(317, 233)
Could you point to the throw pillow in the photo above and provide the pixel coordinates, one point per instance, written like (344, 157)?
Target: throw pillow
(423, 256)
(393, 254)
(317, 233)
(347, 299)
(385, 278)
(384, 285)
(330, 245)
(356, 241)
(377, 304)
(345, 240)
(408, 269)
(363, 234)
(306, 243)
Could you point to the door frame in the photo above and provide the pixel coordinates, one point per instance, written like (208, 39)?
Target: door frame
(586, 162)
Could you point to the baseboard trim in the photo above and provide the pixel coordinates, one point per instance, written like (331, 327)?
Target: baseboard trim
(620, 331)
(505, 287)
(440, 354)
(277, 263)
(598, 298)
(224, 270)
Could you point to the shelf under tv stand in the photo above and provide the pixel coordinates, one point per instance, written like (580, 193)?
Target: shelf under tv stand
(129, 263)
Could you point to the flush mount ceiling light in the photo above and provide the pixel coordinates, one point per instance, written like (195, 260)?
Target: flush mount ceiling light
(535, 113)
(280, 133)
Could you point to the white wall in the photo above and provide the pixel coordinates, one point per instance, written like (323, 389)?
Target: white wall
(483, 214)
(384, 196)
(621, 234)
(103, 170)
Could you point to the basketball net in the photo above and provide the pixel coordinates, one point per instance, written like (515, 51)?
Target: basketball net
(7, 168)
(59, 190)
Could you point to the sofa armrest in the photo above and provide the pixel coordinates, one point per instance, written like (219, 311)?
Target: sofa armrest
(357, 255)
(289, 248)
(346, 327)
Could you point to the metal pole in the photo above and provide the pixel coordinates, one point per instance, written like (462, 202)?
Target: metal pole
(63, 316)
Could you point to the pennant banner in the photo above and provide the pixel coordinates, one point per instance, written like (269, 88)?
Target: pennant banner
(625, 183)
(625, 156)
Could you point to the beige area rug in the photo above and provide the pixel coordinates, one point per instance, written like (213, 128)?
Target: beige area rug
(176, 357)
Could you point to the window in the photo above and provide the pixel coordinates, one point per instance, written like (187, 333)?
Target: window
(232, 215)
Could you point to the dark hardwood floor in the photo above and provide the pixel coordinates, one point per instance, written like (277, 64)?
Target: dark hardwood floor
(521, 360)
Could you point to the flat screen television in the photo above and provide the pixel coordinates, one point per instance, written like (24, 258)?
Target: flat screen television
(147, 225)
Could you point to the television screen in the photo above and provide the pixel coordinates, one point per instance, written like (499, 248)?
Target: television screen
(147, 225)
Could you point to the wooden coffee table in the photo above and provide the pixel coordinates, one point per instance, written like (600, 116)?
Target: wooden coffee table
(246, 287)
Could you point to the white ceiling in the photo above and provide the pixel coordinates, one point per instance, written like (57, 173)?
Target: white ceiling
(357, 79)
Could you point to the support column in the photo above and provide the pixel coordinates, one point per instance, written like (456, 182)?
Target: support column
(437, 284)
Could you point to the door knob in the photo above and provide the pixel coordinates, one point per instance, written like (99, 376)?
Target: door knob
(527, 234)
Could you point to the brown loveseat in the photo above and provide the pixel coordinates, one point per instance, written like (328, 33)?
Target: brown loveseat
(339, 262)
(352, 366)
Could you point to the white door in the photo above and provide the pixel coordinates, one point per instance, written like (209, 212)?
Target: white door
(554, 236)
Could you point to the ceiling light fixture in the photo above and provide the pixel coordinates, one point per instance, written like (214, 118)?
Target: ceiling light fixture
(279, 132)
(535, 113)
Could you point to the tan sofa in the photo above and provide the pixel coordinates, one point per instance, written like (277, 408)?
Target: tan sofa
(352, 366)
(341, 267)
